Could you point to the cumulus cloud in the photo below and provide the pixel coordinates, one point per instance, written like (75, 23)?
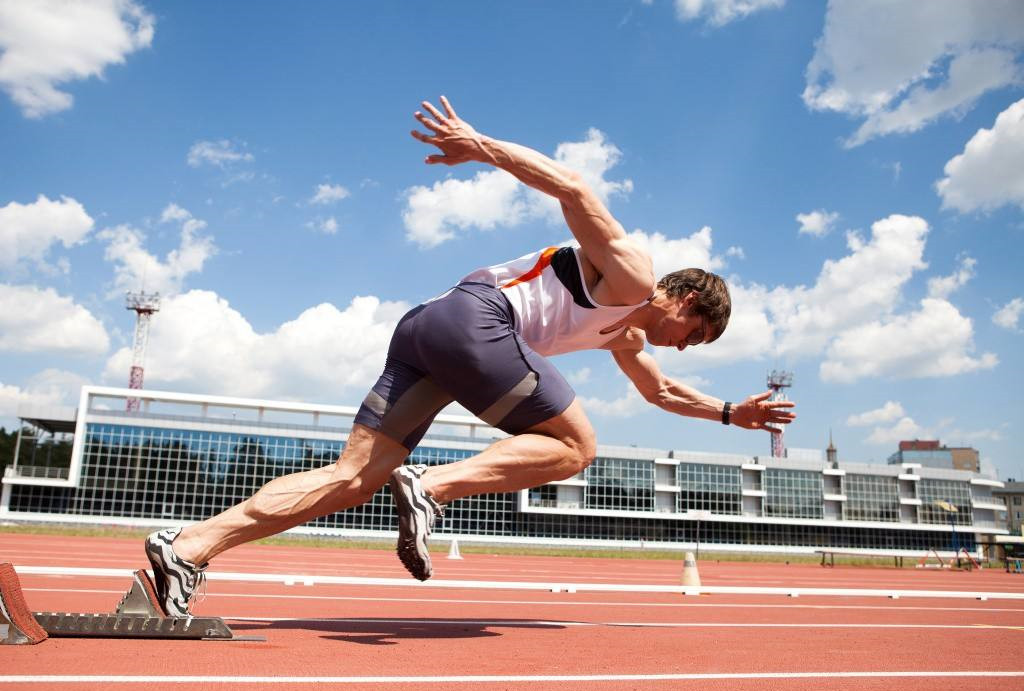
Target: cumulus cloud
(51, 387)
(136, 268)
(850, 315)
(327, 226)
(934, 341)
(221, 154)
(38, 320)
(580, 376)
(492, 198)
(328, 194)
(47, 44)
(899, 65)
(198, 342)
(988, 174)
(28, 231)
(627, 405)
(892, 410)
(673, 254)
(817, 223)
(944, 286)
(904, 429)
(721, 12)
(1008, 316)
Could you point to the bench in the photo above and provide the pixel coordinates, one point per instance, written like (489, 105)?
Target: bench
(830, 555)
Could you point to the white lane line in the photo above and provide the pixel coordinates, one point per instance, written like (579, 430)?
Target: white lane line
(560, 603)
(656, 625)
(309, 579)
(481, 678)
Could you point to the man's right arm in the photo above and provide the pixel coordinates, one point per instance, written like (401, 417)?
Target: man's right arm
(624, 267)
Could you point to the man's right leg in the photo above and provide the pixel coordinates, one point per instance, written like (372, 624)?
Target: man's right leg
(179, 557)
(291, 500)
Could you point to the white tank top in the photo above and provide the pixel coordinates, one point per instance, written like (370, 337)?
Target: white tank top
(554, 310)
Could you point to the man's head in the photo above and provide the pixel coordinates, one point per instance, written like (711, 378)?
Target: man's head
(691, 306)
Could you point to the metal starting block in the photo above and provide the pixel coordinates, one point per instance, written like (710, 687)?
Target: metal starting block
(138, 615)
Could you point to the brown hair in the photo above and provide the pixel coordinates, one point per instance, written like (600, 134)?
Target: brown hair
(713, 301)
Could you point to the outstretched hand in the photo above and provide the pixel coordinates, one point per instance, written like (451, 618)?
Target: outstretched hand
(457, 140)
(757, 412)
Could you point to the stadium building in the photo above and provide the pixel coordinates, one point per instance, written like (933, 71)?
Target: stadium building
(177, 458)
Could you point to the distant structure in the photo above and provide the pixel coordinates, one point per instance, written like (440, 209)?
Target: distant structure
(933, 454)
(777, 381)
(831, 454)
(144, 305)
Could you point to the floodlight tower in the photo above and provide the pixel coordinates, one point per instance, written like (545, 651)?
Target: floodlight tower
(777, 381)
(144, 305)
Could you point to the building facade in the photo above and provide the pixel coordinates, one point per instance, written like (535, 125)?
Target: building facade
(181, 458)
(1012, 497)
(932, 454)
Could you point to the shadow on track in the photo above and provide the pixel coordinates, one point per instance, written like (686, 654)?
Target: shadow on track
(391, 631)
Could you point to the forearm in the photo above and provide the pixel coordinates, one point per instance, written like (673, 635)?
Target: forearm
(531, 167)
(676, 397)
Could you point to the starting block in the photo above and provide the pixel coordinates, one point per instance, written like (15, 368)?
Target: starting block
(138, 615)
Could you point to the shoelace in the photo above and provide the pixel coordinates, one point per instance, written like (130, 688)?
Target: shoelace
(198, 590)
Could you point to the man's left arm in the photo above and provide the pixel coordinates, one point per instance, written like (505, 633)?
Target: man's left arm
(755, 412)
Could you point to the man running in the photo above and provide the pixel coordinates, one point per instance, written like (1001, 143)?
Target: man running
(484, 343)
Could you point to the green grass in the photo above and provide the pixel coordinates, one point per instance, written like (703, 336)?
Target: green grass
(468, 547)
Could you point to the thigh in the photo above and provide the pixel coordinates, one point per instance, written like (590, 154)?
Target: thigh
(468, 346)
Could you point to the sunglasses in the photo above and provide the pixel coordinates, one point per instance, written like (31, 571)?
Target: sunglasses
(697, 337)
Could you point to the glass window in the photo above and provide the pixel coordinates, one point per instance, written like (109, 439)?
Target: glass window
(956, 493)
(793, 493)
(709, 487)
(871, 498)
(617, 483)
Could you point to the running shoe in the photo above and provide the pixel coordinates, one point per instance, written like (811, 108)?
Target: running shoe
(176, 580)
(417, 512)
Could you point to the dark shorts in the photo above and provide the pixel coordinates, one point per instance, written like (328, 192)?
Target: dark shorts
(463, 347)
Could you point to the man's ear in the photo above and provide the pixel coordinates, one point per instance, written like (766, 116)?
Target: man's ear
(690, 300)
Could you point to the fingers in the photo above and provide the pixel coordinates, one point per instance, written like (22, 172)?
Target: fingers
(780, 404)
(761, 397)
(448, 107)
(425, 138)
(446, 160)
(429, 107)
(427, 122)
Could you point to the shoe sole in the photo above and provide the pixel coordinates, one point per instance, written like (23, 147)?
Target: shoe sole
(420, 568)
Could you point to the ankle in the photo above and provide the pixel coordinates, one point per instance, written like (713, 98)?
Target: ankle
(188, 549)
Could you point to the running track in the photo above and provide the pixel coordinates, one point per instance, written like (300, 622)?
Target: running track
(408, 636)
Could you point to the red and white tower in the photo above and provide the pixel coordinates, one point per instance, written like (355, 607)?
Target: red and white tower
(777, 381)
(144, 305)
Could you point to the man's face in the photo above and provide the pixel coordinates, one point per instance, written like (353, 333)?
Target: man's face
(677, 325)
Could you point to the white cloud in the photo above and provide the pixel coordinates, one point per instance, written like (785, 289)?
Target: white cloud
(51, 387)
(136, 268)
(327, 226)
(673, 254)
(492, 198)
(580, 376)
(198, 342)
(721, 12)
(988, 174)
(1008, 316)
(904, 429)
(944, 286)
(901, 65)
(935, 341)
(28, 231)
(735, 251)
(328, 194)
(221, 154)
(627, 405)
(34, 320)
(46, 44)
(817, 223)
(892, 410)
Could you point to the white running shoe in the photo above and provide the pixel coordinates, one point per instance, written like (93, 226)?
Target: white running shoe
(176, 580)
(417, 512)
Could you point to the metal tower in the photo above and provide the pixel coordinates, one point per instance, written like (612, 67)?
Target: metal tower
(144, 305)
(777, 381)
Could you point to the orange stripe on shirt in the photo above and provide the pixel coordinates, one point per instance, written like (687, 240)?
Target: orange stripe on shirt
(542, 263)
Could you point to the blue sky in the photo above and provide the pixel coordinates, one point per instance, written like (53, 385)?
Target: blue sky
(854, 169)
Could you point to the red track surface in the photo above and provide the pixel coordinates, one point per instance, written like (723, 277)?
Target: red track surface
(403, 631)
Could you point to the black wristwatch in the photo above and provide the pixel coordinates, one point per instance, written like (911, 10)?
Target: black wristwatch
(726, 412)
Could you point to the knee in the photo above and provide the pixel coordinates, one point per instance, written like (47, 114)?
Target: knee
(583, 449)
